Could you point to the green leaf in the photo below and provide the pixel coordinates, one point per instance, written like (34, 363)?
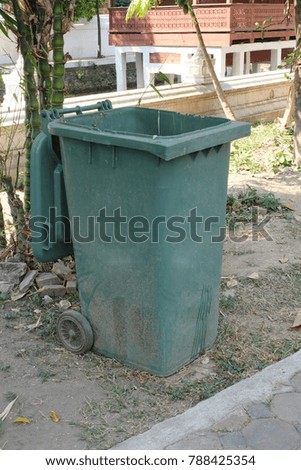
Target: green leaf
(10, 22)
(156, 90)
(3, 29)
(164, 77)
(138, 8)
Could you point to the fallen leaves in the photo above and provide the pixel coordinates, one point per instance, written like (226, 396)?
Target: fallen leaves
(297, 322)
(253, 276)
(21, 419)
(54, 416)
(232, 283)
(288, 207)
(64, 304)
(34, 325)
(17, 295)
(6, 411)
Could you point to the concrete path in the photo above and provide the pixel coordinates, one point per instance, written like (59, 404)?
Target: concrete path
(261, 412)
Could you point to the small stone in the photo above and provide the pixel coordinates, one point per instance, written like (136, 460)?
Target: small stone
(11, 275)
(5, 287)
(47, 299)
(47, 279)
(53, 290)
(71, 287)
(64, 304)
(28, 281)
(61, 270)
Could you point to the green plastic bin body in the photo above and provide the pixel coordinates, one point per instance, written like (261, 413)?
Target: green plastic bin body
(149, 280)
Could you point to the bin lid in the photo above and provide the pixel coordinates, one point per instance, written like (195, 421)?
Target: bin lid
(165, 134)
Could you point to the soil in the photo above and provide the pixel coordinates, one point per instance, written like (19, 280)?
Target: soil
(99, 402)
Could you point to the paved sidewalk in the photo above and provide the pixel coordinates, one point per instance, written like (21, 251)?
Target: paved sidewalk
(262, 412)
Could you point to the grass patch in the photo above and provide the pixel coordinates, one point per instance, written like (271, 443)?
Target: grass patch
(45, 374)
(268, 148)
(10, 396)
(245, 206)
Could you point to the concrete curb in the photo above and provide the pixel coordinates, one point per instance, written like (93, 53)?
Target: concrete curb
(260, 387)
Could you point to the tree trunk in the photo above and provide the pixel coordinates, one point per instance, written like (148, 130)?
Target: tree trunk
(18, 216)
(43, 35)
(2, 229)
(58, 83)
(219, 91)
(288, 115)
(45, 84)
(99, 55)
(297, 134)
(32, 117)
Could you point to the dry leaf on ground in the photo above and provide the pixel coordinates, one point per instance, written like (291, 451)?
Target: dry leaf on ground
(253, 276)
(232, 283)
(6, 411)
(297, 322)
(206, 360)
(55, 417)
(287, 206)
(18, 295)
(21, 419)
(34, 325)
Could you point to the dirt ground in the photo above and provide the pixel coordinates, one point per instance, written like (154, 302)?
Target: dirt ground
(98, 402)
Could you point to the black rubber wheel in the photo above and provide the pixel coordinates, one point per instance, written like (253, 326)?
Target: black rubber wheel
(75, 332)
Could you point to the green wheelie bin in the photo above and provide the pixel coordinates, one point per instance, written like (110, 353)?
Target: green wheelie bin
(139, 195)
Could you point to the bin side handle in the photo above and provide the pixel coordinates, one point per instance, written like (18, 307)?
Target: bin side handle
(100, 106)
(49, 115)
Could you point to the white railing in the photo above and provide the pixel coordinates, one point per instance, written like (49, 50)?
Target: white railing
(241, 63)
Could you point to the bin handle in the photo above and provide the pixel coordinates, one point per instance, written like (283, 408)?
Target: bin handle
(57, 113)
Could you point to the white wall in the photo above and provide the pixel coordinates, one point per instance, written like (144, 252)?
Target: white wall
(81, 42)
(8, 50)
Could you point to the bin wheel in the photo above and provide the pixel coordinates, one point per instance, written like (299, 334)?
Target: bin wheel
(75, 332)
